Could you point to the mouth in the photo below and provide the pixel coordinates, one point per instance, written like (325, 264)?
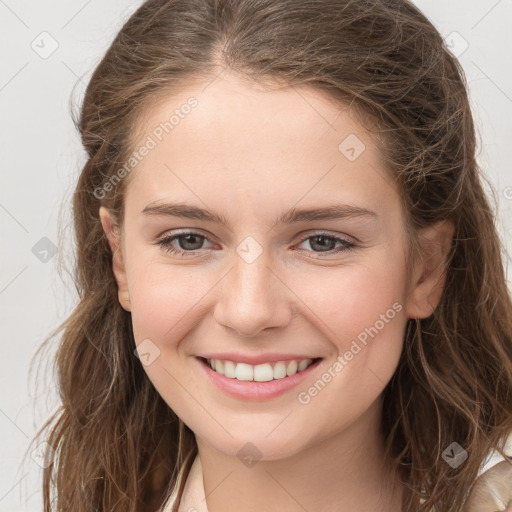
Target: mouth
(264, 372)
(256, 382)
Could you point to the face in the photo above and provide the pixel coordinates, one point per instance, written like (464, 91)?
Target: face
(245, 271)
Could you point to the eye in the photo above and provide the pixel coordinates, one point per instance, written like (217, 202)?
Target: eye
(189, 243)
(325, 243)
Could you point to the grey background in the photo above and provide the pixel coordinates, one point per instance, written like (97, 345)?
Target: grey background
(42, 157)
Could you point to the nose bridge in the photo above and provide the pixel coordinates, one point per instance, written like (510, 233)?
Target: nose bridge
(252, 298)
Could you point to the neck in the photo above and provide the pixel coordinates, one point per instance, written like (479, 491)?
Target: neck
(345, 472)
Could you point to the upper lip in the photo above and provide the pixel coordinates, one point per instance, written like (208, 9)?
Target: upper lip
(257, 359)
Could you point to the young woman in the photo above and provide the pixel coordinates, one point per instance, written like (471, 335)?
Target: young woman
(291, 289)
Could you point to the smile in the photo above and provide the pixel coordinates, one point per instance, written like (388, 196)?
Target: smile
(257, 382)
(260, 372)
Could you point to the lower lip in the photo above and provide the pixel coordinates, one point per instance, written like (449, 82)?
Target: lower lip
(251, 390)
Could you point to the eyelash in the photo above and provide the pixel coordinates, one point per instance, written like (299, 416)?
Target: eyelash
(165, 243)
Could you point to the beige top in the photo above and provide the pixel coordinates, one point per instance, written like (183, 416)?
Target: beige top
(492, 492)
(193, 498)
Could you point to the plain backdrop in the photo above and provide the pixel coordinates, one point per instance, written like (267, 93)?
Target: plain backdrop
(49, 52)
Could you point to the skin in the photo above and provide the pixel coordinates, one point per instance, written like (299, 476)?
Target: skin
(251, 153)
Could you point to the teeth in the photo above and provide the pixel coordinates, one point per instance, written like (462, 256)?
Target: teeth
(302, 365)
(260, 372)
(219, 366)
(229, 369)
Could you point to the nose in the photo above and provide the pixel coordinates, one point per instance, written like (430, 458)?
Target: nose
(253, 298)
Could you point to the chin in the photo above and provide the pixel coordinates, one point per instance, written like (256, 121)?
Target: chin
(258, 447)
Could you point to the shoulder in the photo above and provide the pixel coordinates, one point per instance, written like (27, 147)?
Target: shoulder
(492, 491)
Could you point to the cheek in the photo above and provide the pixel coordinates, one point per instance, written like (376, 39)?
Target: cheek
(362, 313)
(352, 299)
(166, 304)
(165, 300)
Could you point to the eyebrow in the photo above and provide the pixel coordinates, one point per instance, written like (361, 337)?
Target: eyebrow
(293, 215)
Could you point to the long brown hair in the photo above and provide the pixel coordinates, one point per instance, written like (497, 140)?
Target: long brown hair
(118, 445)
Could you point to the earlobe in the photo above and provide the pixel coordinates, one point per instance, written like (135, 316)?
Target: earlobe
(429, 273)
(112, 233)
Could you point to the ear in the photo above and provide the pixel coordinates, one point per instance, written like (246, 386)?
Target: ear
(429, 269)
(112, 232)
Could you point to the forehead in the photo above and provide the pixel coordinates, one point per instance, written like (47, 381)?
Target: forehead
(225, 136)
(228, 109)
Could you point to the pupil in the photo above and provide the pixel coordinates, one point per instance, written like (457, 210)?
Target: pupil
(187, 241)
(324, 238)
